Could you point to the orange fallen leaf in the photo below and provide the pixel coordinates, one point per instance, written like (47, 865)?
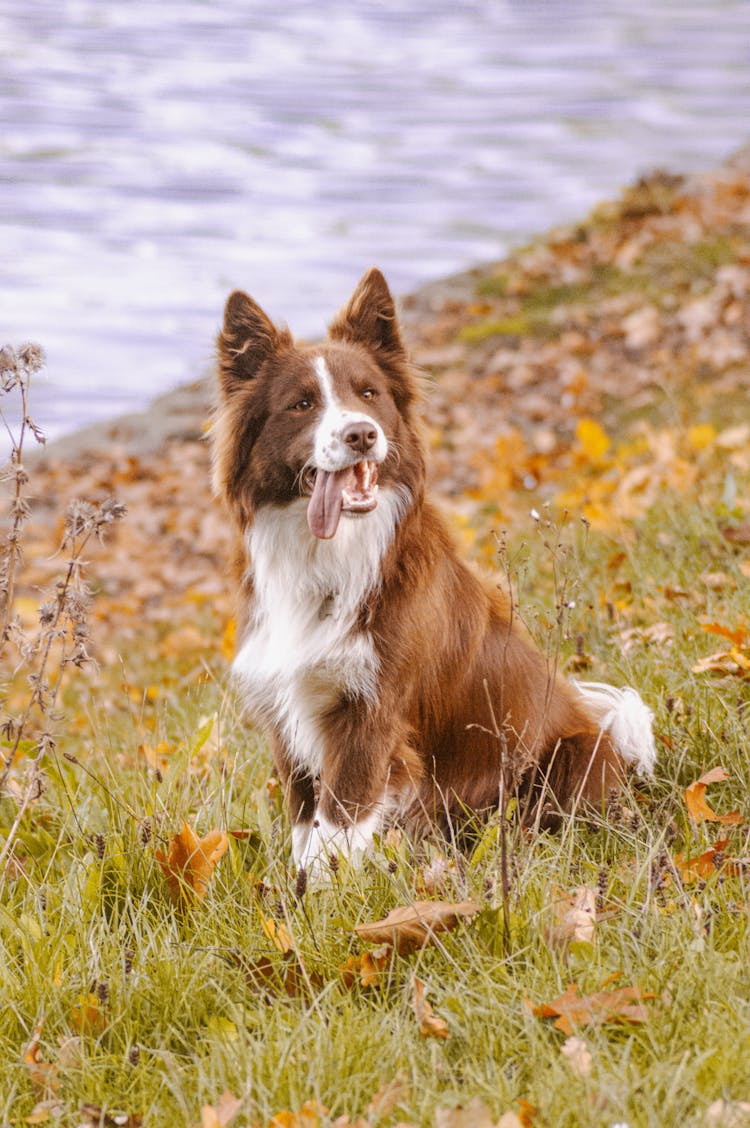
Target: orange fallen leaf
(223, 1113)
(414, 926)
(430, 1024)
(695, 799)
(42, 1074)
(736, 635)
(367, 968)
(709, 862)
(87, 1015)
(624, 1004)
(310, 1115)
(189, 862)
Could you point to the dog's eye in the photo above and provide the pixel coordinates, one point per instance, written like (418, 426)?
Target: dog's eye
(369, 393)
(302, 405)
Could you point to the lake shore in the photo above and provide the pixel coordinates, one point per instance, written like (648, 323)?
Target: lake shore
(610, 320)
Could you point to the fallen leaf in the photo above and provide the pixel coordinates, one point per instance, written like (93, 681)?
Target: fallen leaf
(578, 1056)
(728, 1114)
(624, 1004)
(277, 933)
(574, 917)
(189, 862)
(44, 1111)
(737, 534)
(392, 1095)
(87, 1015)
(373, 964)
(592, 439)
(311, 1115)
(273, 977)
(430, 1024)
(97, 1117)
(736, 635)
(709, 862)
(414, 926)
(722, 662)
(697, 806)
(223, 1113)
(42, 1074)
(475, 1114)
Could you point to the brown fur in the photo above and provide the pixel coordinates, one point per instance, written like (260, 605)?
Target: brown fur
(467, 708)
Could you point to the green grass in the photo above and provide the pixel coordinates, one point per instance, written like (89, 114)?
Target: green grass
(179, 1019)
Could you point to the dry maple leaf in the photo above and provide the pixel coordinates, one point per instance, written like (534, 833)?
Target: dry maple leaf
(189, 862)
(430, 1025)
(624, 1004)
(223, 1113)
(413, 926)
(710, 861)
(695, 799)
(736, 635)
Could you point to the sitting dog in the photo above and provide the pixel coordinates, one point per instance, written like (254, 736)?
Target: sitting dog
(392, 680)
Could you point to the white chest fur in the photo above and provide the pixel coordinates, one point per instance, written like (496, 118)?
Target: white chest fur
(303, 647)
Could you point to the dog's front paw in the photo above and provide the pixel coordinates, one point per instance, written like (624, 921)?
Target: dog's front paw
(327, 843)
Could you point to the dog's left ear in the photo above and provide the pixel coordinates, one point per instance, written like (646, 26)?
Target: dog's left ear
(369, 319)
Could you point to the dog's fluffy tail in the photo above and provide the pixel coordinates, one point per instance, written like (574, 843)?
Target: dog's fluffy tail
(626, 718)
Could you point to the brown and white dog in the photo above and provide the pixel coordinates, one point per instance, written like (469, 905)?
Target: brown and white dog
(392, 680)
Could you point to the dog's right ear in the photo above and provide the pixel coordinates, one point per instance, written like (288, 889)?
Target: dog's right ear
(248, 337)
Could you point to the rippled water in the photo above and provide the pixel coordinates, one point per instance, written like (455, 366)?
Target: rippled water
(153, 155)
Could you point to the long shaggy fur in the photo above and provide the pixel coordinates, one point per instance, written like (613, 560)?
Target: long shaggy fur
(390, 677)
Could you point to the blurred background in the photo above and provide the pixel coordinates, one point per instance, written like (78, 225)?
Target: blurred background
(153, 156)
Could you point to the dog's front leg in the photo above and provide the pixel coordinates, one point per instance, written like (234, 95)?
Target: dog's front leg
(299, 790)
(354, 781)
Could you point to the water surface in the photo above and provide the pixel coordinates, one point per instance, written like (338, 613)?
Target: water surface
(154, 155)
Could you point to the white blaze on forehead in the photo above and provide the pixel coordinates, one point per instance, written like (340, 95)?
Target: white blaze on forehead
(331, 452)
(325, 381)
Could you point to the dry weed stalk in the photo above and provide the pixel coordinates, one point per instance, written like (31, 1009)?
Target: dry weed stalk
(60, 640)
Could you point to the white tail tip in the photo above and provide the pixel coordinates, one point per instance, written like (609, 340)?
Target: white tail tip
(625, 716)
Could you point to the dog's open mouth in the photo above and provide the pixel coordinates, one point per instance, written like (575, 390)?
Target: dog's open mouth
(333, 492)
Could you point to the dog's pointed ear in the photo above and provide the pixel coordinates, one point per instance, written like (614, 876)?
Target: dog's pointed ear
(247, 338)
(369, 318)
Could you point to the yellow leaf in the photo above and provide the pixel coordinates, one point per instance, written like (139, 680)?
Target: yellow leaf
(87, 1015)
(277, 933)
(229, 640)
(593, 439)
(701, 435)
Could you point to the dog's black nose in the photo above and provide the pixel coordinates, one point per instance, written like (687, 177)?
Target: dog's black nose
(360, 436)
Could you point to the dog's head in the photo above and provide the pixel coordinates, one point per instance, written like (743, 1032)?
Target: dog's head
(333, 423)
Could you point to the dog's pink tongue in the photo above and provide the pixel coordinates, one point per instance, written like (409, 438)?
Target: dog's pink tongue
(324, 507)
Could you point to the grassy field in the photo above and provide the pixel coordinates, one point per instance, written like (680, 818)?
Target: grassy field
(146, 1008)
(597, 976)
